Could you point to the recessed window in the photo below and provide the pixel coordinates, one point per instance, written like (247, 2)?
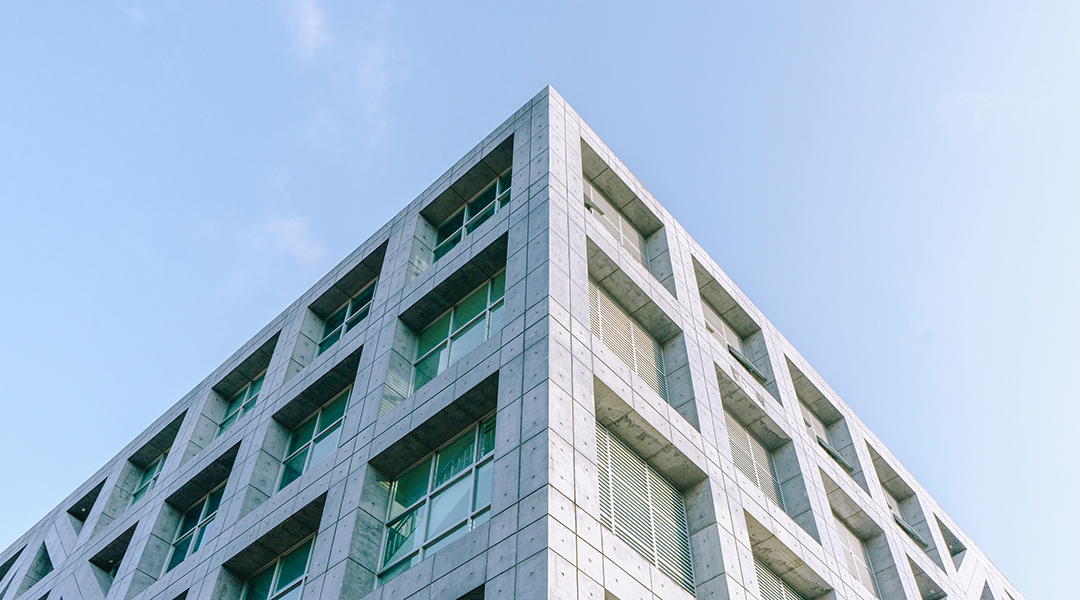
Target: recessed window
(196, 527)
(627, 339)
(241, 403)
(149, 477)
(643, 509)
(439, 500)
(347, 317)
(459, 330)
(284, 579)
(753, 459)
(314, 439)
(616, 223)
(737, 346)
(856, 555)
(478, 210)
(771, 586)
(820, 432)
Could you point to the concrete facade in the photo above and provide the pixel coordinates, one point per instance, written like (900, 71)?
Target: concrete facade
(548, 379)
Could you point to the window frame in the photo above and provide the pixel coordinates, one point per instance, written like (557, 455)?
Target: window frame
(599, 298)
(755, 445)
(244, 401)
(427, 544)
(146, 484)
(854, 556)
(274, 580)
(491, 306)
(202, 526)
(349, 318)
(617, 224)
(318, 433)
(470, 221)
(656, 487)
(781, 590)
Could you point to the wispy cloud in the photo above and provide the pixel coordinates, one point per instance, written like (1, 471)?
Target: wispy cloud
(308, 23)
(275, 252)
(132, 12)
(380, 64)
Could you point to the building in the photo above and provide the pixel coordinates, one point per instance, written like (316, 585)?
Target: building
(531, 383)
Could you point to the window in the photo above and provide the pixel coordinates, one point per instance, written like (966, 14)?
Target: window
(196, 527)
(771, 586)
(348, 316)
(626, 235)
(315, 439)
(439, 500)
(493, 198)
(820, 432)
(856, 555)
(284, 579)
(753, 459)
(459, 330)
(894, 507)
(736, 345)
(241, 403)
(149, 477)
(643, 509)
(627, 339)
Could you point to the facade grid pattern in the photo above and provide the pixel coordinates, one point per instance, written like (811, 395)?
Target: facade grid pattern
(607, 432)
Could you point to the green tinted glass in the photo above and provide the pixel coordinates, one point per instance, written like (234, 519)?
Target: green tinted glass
(302, 435)
(496, 322)
(450, 227)
(454, 458)
(435, 334)
(293, 469)
(191, 518)
(333, 411)
(334, 321)
(410, 487)
(504, 182)
(498, 286)
(449, 507)
(468, 339)
(403, 536)
(427, 369)
(326, 444)
(487, 437)
(293, 566)
(259, 587)
(482, 201)
(483, 485)
(472, 305)
(256, 385)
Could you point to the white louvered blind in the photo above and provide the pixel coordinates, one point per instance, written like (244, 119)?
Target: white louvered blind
(816, 425)
(643, 509)
(617, 224)
(720, 328)
(628, 340)
(855, 555)
(772, 587)
(753, 459)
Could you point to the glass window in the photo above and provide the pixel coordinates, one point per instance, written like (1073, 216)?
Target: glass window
(347, 317)
(284, 578)
(149, 477)
(814, 423)
(314, 439)
(753, 459)
(196, 527)
(855, 555)
(627, 339)
(459, 330)
(241, 403)
(439, 500)
(624, 232)
(475, 212)
(643, 509)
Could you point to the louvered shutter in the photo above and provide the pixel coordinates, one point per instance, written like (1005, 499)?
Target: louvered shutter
(771, 586)
(627, 339)
(643, 509)
(753, 459)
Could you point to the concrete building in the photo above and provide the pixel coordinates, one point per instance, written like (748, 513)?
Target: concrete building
(531, 383)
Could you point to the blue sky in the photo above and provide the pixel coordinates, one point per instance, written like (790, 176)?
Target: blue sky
(896, 187)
